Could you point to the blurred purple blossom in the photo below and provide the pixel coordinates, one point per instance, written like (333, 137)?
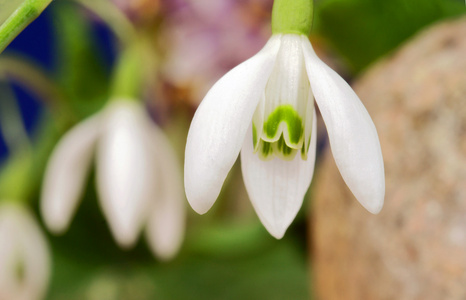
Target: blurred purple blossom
(204, 39)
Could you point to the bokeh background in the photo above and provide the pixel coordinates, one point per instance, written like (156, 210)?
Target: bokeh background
(227, 254)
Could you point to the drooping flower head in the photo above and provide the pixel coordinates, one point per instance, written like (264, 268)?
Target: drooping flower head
(137, 177)
(264, 108)
(24, 255)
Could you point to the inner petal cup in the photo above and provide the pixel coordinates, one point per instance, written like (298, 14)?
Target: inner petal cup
(284, 107)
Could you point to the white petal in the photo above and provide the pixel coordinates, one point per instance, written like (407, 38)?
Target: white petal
(66, 172)
(219, 126)
(166, 226)
(124, 170)
(277, 187)
(22, 243)
(353, 137)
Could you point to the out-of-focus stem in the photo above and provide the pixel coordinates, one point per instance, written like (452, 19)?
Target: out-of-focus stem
(27, 12)
(113, 17)
(11, 122)
(15, 177)
(34, 78)
(128, 74)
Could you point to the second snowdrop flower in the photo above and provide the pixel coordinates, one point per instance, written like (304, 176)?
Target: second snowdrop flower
(24, 255)
(264, 108)
(138, 181)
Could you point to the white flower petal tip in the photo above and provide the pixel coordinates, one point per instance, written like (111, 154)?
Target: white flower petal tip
(200, 199)
(166, 226)
(373, 200)
(124, 173)
(65, 175)
(219, 126)
(165, 232)
(277, 187)
(352, 134)
(22, 243)
(125, 236)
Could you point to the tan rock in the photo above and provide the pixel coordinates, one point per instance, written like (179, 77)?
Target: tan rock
(416, 247)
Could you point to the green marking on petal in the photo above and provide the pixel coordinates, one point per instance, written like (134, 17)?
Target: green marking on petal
(285, 113)
(266, 149)
(305, 148)
(280, 149)
(254, 135)
(283, 151)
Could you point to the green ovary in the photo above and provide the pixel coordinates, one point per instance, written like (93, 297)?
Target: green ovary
(272, 142)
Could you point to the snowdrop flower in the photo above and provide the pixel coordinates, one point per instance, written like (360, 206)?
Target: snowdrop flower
(24, 255)
(138, 181)
(264, 108)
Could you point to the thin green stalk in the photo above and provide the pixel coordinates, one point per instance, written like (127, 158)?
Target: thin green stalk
(112, 16)
(129, 72)
(11, 122)
(27, 12)
(15, 178)
(292, 16)
(35, 79)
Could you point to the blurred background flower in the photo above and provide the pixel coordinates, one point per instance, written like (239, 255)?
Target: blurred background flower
(137, 177)
(24, 254)
(212, 37)
(61, 70)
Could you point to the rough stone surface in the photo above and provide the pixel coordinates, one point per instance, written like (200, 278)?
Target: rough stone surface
(416, 247)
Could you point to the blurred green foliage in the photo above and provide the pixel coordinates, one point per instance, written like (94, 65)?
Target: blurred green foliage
(364, 30)
(80, 68)
(219, 260)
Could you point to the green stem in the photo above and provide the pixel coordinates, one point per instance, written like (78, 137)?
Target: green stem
(35, 79)
(21, 175)
(112, 16)
(128, 75)
(27, 12)
(11, 122)
(15, 177)
(292, 16)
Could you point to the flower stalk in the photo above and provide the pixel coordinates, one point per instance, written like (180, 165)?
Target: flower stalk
(15, 178)
(292, 16)
(11, 123)
(34, 78)
(112, 16)
(128, 75)
(27, 12)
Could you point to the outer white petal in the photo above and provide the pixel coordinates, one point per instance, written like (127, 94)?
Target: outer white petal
(277, 187)
(22, 243)
(219, 126)
(124, 170)
(66, 173)
(353, 137)
(166, 226)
